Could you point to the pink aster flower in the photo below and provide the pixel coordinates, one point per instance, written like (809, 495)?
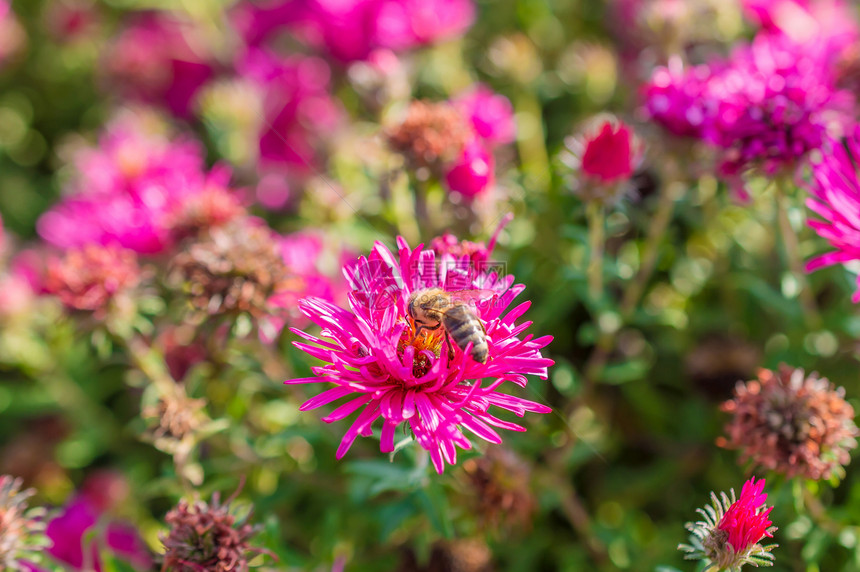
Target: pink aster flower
(160, 59)
(491, 114)
(835, 190)
(129, 190)
(472, 173)
(297, 105)
(387, 367)
(732, 529)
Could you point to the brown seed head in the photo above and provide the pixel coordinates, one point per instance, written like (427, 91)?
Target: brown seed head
(206, 536)
(501, 488)
(792, 423)
(431, 134)
(231, 269)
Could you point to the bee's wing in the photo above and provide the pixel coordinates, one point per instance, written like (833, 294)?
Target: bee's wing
(473, 297)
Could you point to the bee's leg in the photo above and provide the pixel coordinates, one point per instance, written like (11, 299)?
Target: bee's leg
(425, 327)
(450, 347)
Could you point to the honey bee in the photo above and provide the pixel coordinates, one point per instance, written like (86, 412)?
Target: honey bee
(432, 308)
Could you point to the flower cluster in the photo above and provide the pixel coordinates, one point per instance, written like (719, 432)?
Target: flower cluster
(379, 357)
(793, 423)
(767, 106)
(730, 533)
(454, 140)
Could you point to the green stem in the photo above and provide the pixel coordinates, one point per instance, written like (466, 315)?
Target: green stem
(593, 369)
(792, 254)
(596, 214)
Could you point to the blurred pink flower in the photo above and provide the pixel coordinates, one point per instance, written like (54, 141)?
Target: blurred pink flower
(832, 21)
(377, 358)
(491, 114)
(161, 59)
(70, 531)
(472, 172)
(350, 30)
(129, 189)
(677, 99)
(72, 20)
(609, 155)
(13, 37)
(297, 105)
(835, 190)
(301, 252)
(90, 277)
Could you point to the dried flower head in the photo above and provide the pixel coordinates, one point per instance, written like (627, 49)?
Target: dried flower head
(214, 206)
(22, 530)
(501, 488)
(231, 269)
(207, 536)
(176, 416)
(730, 533)
(89, 278)
(431, 134)
(791, 422)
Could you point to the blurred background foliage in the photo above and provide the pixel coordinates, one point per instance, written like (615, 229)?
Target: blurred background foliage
(607, 480)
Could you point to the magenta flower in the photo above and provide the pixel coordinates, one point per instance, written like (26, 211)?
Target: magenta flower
(69, 533)
(129, 189)
(387, 367)
(677, 99)
(158, 59)
(472, 172)
(732, 529)
(351, 30)
(835, 191)
(491, 114)
(297, 106)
